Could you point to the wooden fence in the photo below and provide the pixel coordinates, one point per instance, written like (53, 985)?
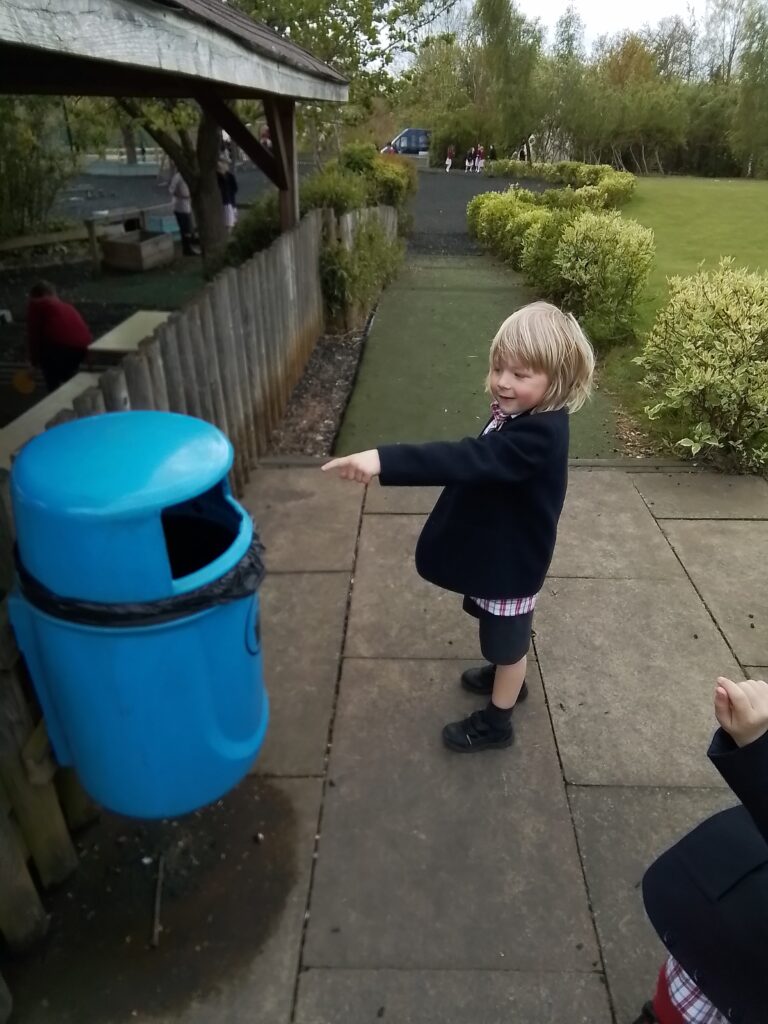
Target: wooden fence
(232, 357)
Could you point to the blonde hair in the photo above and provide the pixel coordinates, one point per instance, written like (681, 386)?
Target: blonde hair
(544, 339)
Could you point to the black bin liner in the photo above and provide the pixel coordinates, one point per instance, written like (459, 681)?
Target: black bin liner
(242, 580)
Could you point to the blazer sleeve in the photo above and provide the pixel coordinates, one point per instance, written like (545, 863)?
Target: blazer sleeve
(745, 769)
(503, 456)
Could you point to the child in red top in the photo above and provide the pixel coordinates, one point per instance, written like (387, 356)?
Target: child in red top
(57, 336)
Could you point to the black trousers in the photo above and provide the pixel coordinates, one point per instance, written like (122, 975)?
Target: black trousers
(59, 364)
(184, 220)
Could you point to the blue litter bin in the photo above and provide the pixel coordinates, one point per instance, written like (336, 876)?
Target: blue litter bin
(136, 608)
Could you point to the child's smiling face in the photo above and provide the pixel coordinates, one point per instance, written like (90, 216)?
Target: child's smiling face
(517, 388)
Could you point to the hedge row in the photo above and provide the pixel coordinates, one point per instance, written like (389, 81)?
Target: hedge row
(616, 186)
(590, 261)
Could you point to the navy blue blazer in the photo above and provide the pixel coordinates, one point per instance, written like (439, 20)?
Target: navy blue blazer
(707, 897)
(492, 532)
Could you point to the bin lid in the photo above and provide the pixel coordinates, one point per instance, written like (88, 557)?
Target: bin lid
(90, 500)
(119, 465)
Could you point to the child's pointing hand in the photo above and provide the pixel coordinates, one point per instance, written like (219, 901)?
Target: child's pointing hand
(742, 709)
(362, 466)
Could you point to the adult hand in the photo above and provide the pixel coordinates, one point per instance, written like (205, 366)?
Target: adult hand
(362, 466)
(742, 709)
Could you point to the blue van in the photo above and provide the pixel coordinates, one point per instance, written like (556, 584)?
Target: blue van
(410, 142)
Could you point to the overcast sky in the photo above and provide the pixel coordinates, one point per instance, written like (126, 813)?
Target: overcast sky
(610, 16)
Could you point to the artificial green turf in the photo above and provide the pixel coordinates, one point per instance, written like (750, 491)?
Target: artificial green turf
(423, 371)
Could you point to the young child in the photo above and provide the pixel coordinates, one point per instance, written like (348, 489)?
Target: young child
(707, 897)
(57, 336)
(491, 534)
(449, 158)
(469, 160)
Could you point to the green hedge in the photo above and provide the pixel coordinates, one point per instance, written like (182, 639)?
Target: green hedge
(706, 363)
(352, 279)
(360, 177)
(572, 250)
(617, 186)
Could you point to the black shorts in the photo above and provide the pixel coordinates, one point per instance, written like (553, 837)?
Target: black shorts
(504, 639)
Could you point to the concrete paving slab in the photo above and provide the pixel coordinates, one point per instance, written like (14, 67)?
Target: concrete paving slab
(395, 613)
(703, 495)
(607, 531)
(621, 831)
(629, 668)
(726, 562)
(413, 500)
(434, 860)
(450, 997)
(302, 633)
(756, 671)
(307, 519)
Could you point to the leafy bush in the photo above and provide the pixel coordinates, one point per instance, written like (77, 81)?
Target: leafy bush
(333, 188)
(358, 157)
(352, 278)
(590, 197)
(706, 362)
(539, 248)
(604, 262)
(256, 229)
(617, 186)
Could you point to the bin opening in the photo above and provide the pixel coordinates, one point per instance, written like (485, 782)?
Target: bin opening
(198, 531)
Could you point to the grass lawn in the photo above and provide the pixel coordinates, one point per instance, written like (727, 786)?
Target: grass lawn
(694, 220)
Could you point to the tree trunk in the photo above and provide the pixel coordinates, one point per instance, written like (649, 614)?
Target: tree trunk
(129, 141)
(642, 157)
(635, 160)
(206, 198)
(658, 161)
(528, 156)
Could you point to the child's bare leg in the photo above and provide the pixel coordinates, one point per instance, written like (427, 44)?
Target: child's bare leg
(507, 683)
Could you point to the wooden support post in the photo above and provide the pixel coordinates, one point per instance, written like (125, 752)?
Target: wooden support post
(281, 117)
(226, 118)
(22, 917)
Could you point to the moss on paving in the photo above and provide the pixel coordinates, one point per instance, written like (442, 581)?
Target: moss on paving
(424, 366)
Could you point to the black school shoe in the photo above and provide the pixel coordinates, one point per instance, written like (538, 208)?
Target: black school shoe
(647, 1016)
(480, 682)
(476, 733)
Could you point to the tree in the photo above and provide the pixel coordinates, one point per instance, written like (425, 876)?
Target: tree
(750, 123)
(674, 45)
(511, 45)
(725, 34)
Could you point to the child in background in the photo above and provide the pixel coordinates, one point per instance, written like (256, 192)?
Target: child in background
(469, 160)
(228, 190)
(707, 897)
(449, 158)
(57, 336)
(491, 535)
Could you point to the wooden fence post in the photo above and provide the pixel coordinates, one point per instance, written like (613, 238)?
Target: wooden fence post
(213, 369)
(174, 381)
(115, 390)
(204, 381)
(251, 332)
(138, 381)
(241, 327)
(151, 350)
(90, 403)
(222, 321)
(22, 917)
(188, 368)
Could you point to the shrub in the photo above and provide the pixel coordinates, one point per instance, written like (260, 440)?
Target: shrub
(616, 186)
(352, 278)
(706, 362)
(358, 157)
(257, 228)
(604, 262)
(590, 197)
(537, 260)
(334, 188)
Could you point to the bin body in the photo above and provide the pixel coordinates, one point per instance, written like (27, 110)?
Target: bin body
(160, 711)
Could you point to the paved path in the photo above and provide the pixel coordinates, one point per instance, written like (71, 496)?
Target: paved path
(441, 889)
(425, 359)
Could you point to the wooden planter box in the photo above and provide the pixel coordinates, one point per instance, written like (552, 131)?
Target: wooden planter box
(138, 250)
